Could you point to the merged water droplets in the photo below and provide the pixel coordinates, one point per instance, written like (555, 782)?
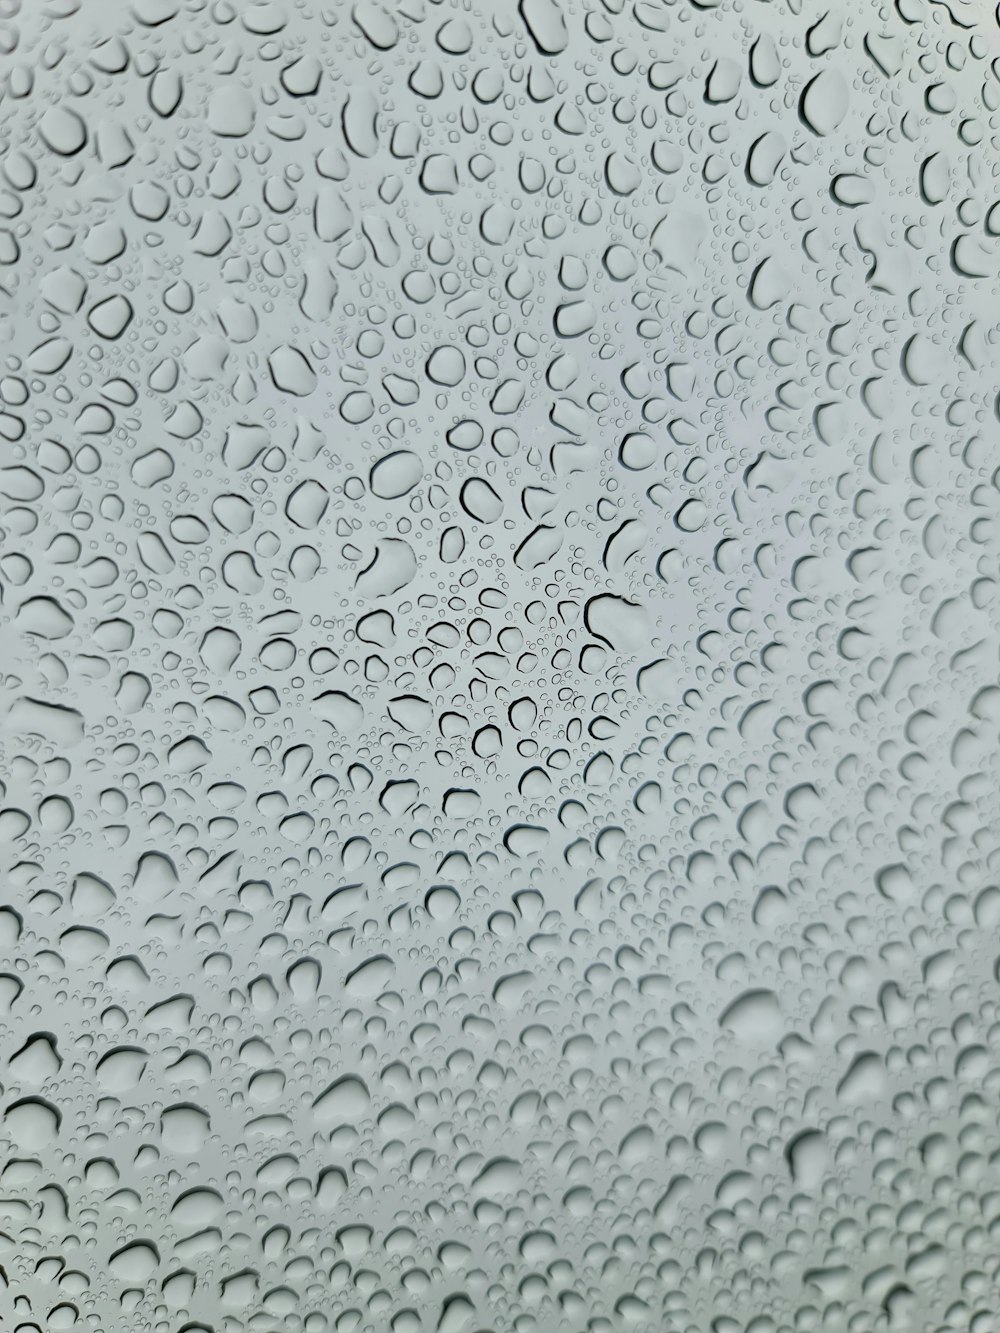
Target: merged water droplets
(499, 687)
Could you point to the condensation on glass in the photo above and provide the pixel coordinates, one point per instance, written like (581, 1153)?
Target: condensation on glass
(499, 688)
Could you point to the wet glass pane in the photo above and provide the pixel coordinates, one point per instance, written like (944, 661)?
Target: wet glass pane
(499, 687)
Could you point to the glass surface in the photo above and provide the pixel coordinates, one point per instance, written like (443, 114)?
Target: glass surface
(499, 687)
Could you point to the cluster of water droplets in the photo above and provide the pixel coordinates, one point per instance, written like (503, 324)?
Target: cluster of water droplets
(499, 666)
